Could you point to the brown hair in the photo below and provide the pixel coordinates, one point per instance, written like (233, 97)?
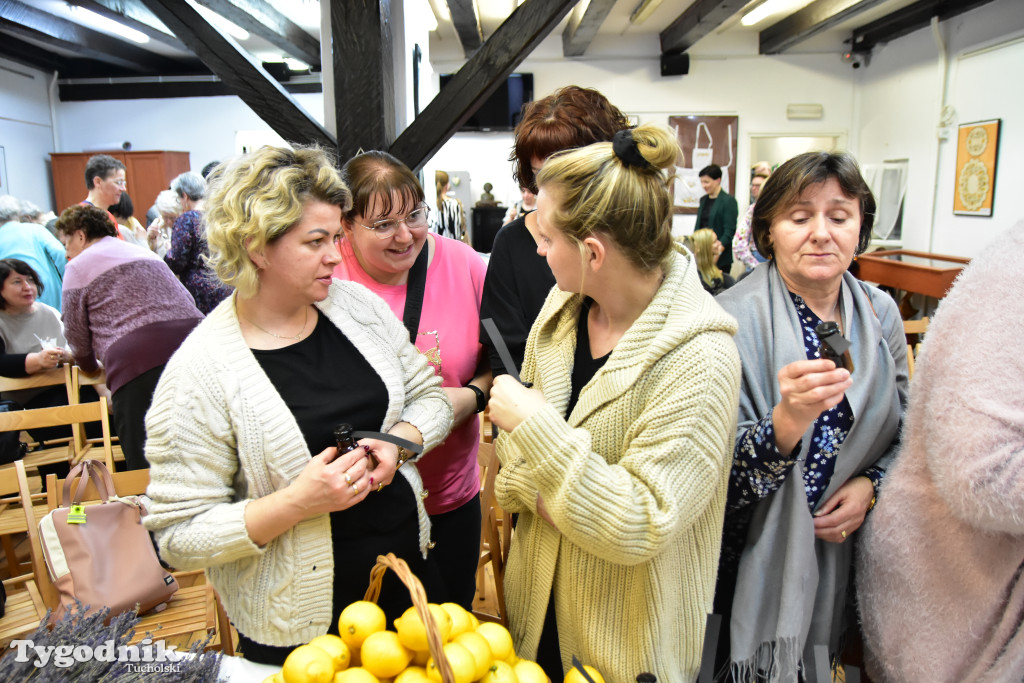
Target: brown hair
(94, 222)
(784, 187)
(374, 178)
(600, 193)
(568, 118)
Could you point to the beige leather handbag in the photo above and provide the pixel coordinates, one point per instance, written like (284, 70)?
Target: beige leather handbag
(101, 554)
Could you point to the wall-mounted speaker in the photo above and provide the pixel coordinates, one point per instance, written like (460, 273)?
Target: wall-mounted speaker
(675, 65)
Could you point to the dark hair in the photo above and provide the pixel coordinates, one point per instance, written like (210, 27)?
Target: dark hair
(124, 207)
(791, 179)
(13, 265)
(208, 169)
(101, 165)
(714, 171)
(377, 175)
(95, 223)
(568, 118)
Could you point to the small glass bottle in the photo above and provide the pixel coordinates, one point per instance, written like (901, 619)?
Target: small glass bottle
(834, 346)
(343, 435)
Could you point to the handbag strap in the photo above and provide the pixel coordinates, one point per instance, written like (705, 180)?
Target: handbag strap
(79, 477)
(414, 293)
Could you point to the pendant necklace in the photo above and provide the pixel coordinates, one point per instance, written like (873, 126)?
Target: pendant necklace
(297, 337)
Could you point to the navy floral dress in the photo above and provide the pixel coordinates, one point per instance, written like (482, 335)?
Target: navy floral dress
(186, 259)
(759, 469)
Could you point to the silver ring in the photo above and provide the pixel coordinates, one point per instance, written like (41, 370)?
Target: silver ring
(355, 489)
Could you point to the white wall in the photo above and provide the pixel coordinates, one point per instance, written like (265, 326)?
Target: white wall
(900, 97)
(756, 89)
(26, 133)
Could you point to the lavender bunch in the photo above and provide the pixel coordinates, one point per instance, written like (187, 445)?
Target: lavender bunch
(79, 633)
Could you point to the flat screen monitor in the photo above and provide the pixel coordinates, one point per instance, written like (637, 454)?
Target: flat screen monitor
(503, 109)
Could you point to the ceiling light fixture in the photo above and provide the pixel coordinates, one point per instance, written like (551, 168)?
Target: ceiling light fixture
(107, 24)
(233, 30)
(295, 64)
(768, 8)
(643, 10)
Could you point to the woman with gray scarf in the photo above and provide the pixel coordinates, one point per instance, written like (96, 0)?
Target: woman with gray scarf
(813, 439)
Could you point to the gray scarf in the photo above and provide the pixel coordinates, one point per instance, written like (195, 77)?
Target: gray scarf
(791, 587)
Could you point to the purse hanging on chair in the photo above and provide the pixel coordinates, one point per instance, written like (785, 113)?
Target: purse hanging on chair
(101, 554)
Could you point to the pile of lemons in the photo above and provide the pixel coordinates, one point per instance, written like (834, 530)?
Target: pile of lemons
(367, 652)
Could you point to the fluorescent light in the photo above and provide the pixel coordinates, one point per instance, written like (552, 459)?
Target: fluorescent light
(643, 10)
(295, 64)
(765, 10)
(235, 31)
(107, 24)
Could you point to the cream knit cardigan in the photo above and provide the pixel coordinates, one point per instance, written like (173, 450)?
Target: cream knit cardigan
(635, 482)
(219, 435)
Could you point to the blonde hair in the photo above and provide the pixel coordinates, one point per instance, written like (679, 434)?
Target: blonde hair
(257, 198)
(703, 241)
(440, 182)
(601, 193)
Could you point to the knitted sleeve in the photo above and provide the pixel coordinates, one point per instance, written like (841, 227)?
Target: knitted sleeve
(75, 312)
(675, 453)
(195, 513)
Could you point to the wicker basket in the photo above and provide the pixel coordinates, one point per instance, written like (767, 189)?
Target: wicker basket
(419, 601)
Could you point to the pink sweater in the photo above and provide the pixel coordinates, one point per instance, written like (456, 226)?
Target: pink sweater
(939, 577)
(449, 335)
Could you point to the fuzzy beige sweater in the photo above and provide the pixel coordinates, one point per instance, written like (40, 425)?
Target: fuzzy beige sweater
(635, 482)
(939, 576)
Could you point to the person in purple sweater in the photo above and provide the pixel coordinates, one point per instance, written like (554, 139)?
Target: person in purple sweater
(123, 308)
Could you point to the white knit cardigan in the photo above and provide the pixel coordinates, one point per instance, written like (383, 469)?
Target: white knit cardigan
(219, 436)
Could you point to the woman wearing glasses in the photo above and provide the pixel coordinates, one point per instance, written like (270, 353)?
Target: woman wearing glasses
(433, 284)
(245, 478)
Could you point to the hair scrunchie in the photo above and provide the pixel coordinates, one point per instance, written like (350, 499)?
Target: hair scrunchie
(626, 150)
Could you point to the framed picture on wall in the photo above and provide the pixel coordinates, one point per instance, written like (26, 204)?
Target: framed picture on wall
(977, 153)
(704, 140)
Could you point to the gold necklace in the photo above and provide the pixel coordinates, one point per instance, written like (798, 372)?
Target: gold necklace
(297, 337)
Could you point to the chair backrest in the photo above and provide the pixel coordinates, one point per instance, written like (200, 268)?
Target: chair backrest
(42, 574)
(79, 414)
(46, 378)
(131, 483)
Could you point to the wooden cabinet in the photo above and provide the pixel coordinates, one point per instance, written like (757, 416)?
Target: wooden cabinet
(147, 173)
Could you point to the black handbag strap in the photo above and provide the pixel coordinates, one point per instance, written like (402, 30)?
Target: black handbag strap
(414, 289)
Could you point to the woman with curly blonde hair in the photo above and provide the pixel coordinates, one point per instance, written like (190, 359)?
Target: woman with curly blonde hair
(245, 477)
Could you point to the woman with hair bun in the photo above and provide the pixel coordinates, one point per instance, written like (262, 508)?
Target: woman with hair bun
(617, 459)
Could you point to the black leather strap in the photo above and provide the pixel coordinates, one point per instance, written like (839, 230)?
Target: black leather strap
(390, 438)
(414, 289)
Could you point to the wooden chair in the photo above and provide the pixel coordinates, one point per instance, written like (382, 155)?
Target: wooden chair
(76, 380)
(914, 331)
(191, 612)
(12, 517)
(24, 609)
(19, 420)
(495, 538)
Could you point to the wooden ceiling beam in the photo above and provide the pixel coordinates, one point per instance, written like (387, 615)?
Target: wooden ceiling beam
(467, 24)
(481, 75)
(364, 89)
(241, 73)
(259, 18)
(28, 22)
(907, 20)
(699, 20)
(816, 17)
(580, 32)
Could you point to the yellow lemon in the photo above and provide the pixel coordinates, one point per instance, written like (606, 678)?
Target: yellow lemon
(414, 674)
(413, 633)
(359, 620)
(274, 678)
(355, 674)
(498, 638)
(529, 672)
(479, 648)
(335, 647)
(474, 621)
(308, 664)
(574, 675)
(383, 654)
(500, 672)
(420, 657)
(461, 661)
(512, 660)
(460, 618)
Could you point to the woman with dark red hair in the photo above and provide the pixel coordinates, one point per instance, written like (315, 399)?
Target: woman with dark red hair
(518, 279)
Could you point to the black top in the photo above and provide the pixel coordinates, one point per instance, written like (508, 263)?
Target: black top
(584, 365)
(517, 283)
(705, 215)
(719, 284)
